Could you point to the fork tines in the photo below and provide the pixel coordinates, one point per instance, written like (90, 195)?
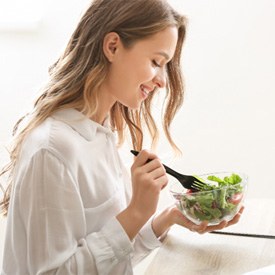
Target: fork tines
(199, 185)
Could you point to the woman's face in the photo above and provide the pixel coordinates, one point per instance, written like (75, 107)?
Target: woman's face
(137, 71)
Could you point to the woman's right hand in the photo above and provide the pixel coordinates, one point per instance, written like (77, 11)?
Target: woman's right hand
(148, 179)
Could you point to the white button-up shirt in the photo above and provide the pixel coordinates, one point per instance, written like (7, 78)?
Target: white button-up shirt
(69, 184)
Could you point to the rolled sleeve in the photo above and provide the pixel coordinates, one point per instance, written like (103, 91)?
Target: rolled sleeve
(148, 236)
(145, 242)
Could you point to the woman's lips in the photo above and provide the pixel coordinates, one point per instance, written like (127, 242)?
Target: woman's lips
(145, 91)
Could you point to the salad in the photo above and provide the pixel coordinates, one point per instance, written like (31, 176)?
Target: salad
(218, 200)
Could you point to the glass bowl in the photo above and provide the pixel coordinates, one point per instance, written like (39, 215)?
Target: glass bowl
(220, 203)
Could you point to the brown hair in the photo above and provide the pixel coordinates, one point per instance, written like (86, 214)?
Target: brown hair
(82, 68)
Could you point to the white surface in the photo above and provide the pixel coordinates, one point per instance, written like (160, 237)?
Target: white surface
(186, 252)
(268, 270)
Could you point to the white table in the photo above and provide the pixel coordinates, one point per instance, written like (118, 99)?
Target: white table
(185, 252)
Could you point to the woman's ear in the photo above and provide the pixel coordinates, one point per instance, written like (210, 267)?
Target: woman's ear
(110, 44)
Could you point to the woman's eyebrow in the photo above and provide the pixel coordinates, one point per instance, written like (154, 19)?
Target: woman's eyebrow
(164, 54)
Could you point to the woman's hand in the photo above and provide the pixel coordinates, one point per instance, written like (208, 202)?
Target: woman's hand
(172, 215)
(202, 228)
(148, 179)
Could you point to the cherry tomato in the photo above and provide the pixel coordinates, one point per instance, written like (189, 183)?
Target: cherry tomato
(236, 198)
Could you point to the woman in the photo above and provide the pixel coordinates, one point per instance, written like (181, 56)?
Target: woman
(72, 209)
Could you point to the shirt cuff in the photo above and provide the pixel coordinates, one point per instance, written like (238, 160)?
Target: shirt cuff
(110, 245)
(117, 238)
(148, 236)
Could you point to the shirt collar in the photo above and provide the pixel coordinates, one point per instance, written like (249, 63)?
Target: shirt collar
(86, 127)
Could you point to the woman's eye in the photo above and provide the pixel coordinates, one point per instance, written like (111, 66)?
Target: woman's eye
(156, 64)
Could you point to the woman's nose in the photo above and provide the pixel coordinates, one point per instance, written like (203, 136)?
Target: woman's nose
(160, 79)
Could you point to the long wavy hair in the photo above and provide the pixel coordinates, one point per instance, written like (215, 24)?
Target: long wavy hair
(79, 72)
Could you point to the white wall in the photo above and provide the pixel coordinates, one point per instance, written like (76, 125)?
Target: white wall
(227, 120)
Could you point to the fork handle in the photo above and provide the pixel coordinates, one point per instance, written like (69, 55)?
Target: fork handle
(167, 169)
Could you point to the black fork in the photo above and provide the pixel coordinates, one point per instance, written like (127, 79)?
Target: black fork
(188, 182)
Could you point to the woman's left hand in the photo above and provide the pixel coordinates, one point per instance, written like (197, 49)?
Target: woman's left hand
(202, 228)
(172, 215)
